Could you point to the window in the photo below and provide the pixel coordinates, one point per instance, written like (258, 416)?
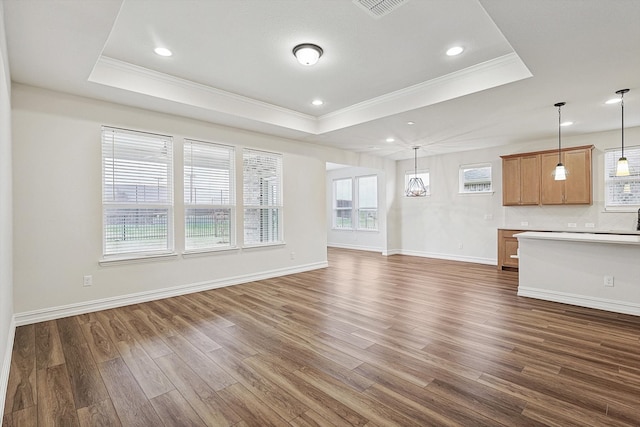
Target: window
(137, 197)
(209, 195)
(622, 192)
(367, 202)
(475, 179)
(262, 185)
(365, 210)
(423, 175)
(343, 203)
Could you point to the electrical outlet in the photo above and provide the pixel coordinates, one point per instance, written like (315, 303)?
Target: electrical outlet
(589, 225)
(293, 255)
(608, 281)
(87, 281)
(488, 216)
(572, 225)
(524, 223)
(460, 245)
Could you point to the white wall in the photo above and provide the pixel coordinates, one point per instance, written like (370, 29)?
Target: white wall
(358, 239)
(460, 226)
(6, 263)
(57, 205)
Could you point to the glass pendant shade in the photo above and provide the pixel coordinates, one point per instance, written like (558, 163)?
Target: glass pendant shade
(622, 169)
(415, 187)
(560, 172)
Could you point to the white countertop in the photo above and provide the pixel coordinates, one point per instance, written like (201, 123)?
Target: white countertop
(597, 237)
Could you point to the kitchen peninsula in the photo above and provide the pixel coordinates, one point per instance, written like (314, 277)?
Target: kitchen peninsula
(595, 269)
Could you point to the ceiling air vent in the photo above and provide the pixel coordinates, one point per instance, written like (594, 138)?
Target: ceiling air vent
(379, 8)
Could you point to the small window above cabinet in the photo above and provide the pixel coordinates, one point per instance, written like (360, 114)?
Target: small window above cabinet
(527, 178)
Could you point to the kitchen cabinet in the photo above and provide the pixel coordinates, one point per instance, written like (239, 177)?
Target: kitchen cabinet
(521, 180)
(507, 248)
(577, 188)
(527, 178)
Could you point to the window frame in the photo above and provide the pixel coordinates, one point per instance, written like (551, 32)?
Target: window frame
(121, 207)
(193, 205)
(462, 182)
(270, 208)
(610, 160)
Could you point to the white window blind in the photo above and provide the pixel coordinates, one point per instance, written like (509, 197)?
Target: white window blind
(262, 196)
(622, 192)
(209, 195)
(475, 179)
(343, 203)
(367, 202)
(423, 175)
(137, 197)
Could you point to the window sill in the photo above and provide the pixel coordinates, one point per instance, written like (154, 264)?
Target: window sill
(621, 209)
(264, 245)
(477, 193)
(209, 251)
(133, 259)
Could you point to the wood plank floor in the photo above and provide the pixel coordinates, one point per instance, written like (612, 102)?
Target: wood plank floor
(369, 341)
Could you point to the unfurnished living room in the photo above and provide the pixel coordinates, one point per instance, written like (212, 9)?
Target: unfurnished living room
(319, 213)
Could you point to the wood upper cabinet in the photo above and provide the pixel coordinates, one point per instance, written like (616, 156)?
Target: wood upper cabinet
(527, 178)
(577, 188)
(521, 180)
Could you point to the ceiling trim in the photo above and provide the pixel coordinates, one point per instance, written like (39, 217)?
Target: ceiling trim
(123, 75)
(505, 69)
(489, 74)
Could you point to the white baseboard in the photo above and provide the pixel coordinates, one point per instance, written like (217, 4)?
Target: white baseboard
(476, 260)
(50, 313)
(6, 365)
(356, 247)
(615, 306)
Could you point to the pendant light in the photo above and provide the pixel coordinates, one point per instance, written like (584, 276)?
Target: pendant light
(623, 165)
(560, 173)
(415, 188)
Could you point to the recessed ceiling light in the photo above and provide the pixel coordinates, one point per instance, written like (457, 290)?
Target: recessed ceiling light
(162, 51)
(566, 123)
(456, 50)
(317, 102)
(390, 139)
(411, 123)
(613, 101)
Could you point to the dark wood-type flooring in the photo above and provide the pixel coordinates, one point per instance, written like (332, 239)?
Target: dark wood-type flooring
(369, 341)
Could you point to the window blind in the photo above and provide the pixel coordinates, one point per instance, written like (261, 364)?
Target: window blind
(343, 203)
(209, 195)
(367, 202)
(137, 196)
(262, 196)
(622, 191)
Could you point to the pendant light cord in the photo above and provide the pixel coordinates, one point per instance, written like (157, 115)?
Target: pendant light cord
(559, 133)
(622, 110)
(415, 162)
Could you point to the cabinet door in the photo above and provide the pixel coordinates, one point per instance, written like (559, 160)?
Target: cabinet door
(510, 248)
(552, 191)
(530, 180)
(511, 181)
(578, 184)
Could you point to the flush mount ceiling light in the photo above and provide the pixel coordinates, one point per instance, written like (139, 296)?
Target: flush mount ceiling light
(560, 173)
(162, 51)
(411, 123)
(317, 102)
(456, 50)
(415, 187)
(612, 101)
(623, 165)
(563, 124)
(390, 139)
(307, 53)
